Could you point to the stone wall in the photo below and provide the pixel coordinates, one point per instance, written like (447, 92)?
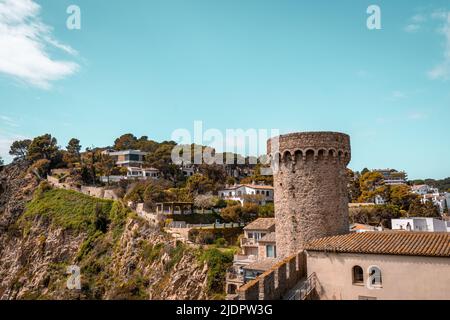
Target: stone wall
(310, 182)
(97, 192)
(56, 182)
(277, 281)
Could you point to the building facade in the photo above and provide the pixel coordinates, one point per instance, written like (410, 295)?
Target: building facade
(244, 193)
(258, 253)
(392, 176)
(127, 158)
(381, 265)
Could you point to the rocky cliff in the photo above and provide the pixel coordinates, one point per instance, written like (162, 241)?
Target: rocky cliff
(43, 231)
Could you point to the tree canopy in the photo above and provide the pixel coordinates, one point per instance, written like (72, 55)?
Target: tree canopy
(43, 147)
(19, 149)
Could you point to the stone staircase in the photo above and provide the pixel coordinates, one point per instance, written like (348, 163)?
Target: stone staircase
(303, 290)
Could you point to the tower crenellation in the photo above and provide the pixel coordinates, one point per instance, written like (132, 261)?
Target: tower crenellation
(310, 184)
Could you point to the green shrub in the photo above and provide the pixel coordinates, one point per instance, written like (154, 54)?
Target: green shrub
(150, 252)
(221, 242)
(218, 262)
(175, 253)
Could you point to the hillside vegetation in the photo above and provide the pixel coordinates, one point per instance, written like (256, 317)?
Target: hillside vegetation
(120, 255)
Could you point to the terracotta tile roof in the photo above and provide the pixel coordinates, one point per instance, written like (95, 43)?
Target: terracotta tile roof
(257, 186)
(253, 186)
(359, 226)
(270, 237)
(261, 265)
(432, 244)
(261, 224)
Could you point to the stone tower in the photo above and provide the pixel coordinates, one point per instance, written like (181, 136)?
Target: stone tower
(310, 184)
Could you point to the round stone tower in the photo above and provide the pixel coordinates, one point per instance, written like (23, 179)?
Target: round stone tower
(310, 182)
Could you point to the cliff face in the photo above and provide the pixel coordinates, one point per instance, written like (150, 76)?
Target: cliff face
(44, 231)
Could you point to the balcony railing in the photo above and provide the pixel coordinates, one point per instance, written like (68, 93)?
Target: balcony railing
(244, 259)
(248, 242)
(234, 275)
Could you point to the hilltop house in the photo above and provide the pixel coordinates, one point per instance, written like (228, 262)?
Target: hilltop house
(423, 189)
(392, 176)
(127, 158)
(243, 193)
(133, 173)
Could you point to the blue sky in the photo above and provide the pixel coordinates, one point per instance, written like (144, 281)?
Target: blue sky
(150, 67)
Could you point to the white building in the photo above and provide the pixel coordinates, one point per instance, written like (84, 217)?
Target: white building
(423, 189)
(379, 200)
(142, 173)
(244, 192)
(427, 193)
(188, 171)
(134, 173)
(420, 224)
(437, 199)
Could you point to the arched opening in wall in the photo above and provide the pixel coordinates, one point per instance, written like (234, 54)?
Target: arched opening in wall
(310, 155)
(357, 275)
(375, 280)
(331, 154)
(321, 154)
(287, 157)
(298, 156)
(287, 160)
(340, 154)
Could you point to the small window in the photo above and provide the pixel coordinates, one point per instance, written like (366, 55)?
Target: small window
(358, 275)
(270, 251)
(375, 277)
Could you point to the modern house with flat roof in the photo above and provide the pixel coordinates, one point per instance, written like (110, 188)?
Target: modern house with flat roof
(392, 176)
(127, 158)
(134, 173)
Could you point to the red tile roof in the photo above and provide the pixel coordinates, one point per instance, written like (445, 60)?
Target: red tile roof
(261, 224)
(431, 244)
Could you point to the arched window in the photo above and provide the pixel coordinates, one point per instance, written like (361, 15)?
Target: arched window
(375, 277)
(358, 275)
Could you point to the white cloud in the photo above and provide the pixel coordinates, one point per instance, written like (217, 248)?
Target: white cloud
(396, 95)
(415, 23)
(418, 18)
(24, 44)
(442, 70)
(412, 28)
(417, 115)
(439, 14)
(8, 121)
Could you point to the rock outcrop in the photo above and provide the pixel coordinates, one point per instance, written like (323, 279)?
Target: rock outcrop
(129, 260)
